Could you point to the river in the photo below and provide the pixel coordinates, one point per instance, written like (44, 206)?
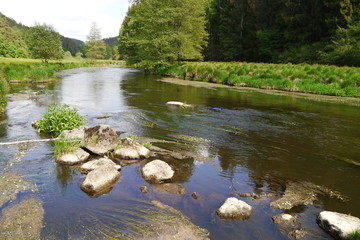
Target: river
(244, 137)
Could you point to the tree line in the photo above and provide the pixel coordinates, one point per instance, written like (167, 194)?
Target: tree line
(44, 42)
(277, 31)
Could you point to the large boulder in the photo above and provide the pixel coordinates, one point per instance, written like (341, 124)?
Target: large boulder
(96, 163)
(77, 157)
(100, 179)
(234, 208)
(339, 225)
(100, 139)
(131, 150)
(157, 171)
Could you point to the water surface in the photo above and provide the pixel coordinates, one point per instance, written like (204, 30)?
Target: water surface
(245, 135)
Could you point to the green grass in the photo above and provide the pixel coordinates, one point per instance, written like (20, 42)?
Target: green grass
(355, 235)
(58, 118)
(148, 145)
(64, 145)
(133, 137)
(4, 89)
(317, 79)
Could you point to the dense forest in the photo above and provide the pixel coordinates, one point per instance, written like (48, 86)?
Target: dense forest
(277, 31)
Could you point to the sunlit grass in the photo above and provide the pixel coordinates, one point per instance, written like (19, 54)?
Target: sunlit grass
(318, 79)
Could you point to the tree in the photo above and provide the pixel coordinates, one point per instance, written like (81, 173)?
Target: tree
(44, 42)
(160, 31)
(94, 46)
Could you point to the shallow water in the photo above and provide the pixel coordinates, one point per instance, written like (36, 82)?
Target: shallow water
(246, 135)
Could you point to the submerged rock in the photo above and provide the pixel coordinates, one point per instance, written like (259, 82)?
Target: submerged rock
(144, 189)
(77, 157)
(23, 220)
(100, 179)
(339, 225)
(234, 208)
(172, 188)
(11, 184)
(303, 193)
(96, 163)
(100, 139)
(157, 171)
(284, 219)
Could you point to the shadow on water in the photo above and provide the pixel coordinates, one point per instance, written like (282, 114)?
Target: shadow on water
(235, 138)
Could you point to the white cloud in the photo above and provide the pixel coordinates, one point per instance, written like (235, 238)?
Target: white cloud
(71, 18)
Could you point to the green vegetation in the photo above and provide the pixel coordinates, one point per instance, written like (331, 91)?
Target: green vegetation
(148, 145)
(319, 79)
(155, 32)
(95, 47)
(64, 145)
(133, 137)
(4, 88)
(58, 118)
(355, 235)
(44, 43)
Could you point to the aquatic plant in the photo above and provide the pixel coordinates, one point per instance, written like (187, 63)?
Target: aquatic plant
(65, 145)
(133, 137)
(60, 117)
(355, 235)
(148, 145)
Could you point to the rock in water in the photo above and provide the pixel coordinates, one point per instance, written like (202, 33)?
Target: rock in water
(234, 208)
(131, 150)
(157, 171)
(100, 139)
(172, 188)
(77, 157)
(338, 225)
(76, 133)
(93, 164)
(178, 104)
(100, 179)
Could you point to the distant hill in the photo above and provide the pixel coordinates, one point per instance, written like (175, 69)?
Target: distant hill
(13, 44)
(112, 41)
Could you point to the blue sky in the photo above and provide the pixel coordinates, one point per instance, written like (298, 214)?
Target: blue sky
(71, 18)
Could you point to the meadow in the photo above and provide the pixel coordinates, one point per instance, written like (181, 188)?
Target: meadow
(316, 79)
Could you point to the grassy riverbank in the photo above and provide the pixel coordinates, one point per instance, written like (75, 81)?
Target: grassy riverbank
(33, 70)
(317, 79)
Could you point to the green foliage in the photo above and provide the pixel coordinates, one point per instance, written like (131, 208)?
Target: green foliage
(64, 145)
(58, 118)
(133, 137)
(355, 235)
(161, 31)
(319, 79)
(95, 47)
(4, 89)
(148, 145)
(44, 42)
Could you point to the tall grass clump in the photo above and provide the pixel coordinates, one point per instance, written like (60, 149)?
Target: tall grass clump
(60, 117)
(317, 79)
(64, 145)
(4, 89)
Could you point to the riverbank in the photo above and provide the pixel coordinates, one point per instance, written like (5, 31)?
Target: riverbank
(301, 78)
(34, 71)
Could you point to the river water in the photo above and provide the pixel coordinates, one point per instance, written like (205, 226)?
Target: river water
(245, 136)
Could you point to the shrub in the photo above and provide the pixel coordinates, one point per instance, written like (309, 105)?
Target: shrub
(58, 118)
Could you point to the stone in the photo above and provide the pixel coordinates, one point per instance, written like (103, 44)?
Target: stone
(77, 157)
(23, 220)
(195, 195)
(234, 208)
(337, 224)
(157, 171)
(284, 219)
(131, 150)
(76, 133)
(100, 179)
(100, 139)
(172, 188)
(144, 189)
(177, 104)
(96, 163)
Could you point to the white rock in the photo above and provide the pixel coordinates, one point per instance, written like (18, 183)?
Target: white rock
(93, 164)
(337, 224)
(178, 104)
(157, 170)
(126, 153)
(234, 208)
(100, 179)
(77, 157)
(76, 133)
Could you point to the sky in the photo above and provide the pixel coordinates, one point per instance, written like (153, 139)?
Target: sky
(71, 18)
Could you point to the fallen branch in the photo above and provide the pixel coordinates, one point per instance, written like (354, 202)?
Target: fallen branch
(29, 141)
